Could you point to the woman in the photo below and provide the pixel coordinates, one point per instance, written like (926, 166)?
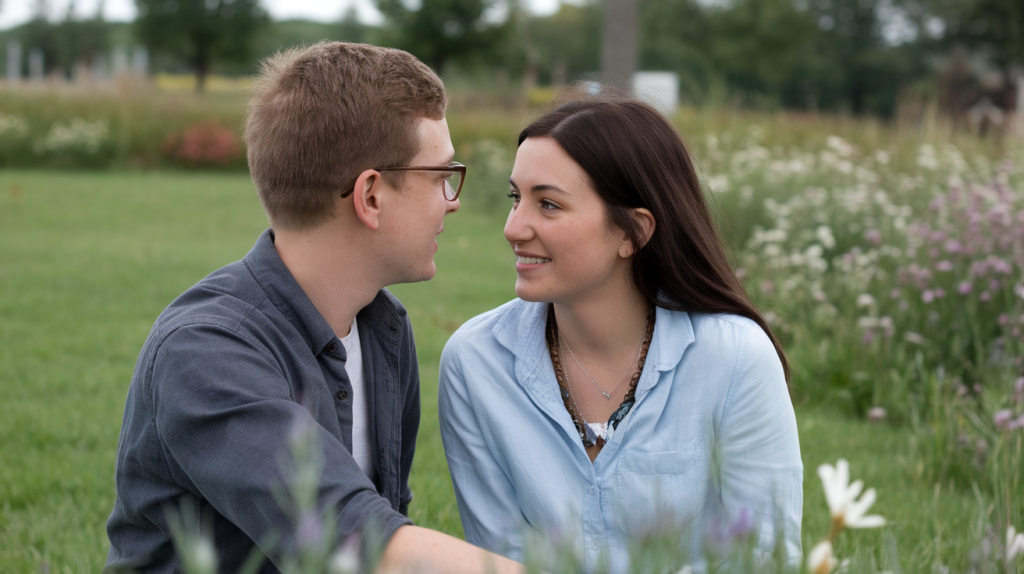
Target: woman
(632, 383)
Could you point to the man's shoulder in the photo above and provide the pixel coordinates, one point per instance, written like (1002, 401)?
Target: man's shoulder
(225, 298)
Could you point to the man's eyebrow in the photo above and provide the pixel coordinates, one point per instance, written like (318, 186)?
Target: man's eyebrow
(540, 187)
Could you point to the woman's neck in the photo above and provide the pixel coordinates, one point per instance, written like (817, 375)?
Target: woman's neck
(604, 324)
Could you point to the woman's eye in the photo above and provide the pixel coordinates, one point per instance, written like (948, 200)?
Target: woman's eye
(545, 204)
(514, 196)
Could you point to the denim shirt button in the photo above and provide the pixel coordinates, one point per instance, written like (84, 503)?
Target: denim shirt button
(595, 544)
(332, 347)
(342, 395)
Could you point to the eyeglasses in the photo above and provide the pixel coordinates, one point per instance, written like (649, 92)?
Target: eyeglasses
(454, 175)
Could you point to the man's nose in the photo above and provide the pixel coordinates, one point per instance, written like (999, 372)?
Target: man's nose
(452, 206)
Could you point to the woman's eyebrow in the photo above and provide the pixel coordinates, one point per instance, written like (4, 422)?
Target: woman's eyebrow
(539, 187)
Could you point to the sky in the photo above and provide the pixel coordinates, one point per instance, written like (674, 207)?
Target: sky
(14, 12)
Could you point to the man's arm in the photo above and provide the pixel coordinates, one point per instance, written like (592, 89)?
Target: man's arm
(415, 549)
(225, 413)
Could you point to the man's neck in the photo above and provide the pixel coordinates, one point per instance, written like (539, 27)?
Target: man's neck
(338, 280)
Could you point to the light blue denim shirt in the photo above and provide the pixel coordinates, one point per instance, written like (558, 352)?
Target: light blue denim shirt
(712, 433)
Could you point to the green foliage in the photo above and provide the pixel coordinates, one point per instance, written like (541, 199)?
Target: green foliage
(440, 31)
(200, 32)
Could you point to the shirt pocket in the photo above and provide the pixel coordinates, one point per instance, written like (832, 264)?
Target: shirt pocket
(658, 489)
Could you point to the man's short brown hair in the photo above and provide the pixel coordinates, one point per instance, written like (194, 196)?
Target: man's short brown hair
(321, 115)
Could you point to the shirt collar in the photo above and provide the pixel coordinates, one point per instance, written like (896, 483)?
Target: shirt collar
(266, 266)
(521, 331)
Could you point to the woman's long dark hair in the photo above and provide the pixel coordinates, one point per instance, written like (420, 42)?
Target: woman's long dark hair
(635, 158)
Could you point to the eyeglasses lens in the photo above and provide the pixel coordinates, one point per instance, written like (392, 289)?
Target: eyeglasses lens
(453, 182)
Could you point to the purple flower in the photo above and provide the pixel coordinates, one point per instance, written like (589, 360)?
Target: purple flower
(309, 533)
(954, 246)
(940, 292)
(965, 287)
(1002, 418)
(944, 265)
(928, 296)
(873, 236)
(985, 296)
(743, 524)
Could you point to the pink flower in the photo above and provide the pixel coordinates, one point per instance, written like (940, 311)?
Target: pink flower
(940, 292)
(1002, 418)
(873, 236)
(894, 294)
(965, 287)
(985, 296)
(928, 296)
(944, 265)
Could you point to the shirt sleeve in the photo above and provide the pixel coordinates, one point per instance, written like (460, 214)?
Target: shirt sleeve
(761, 469)
(225, 414)
(491, 517)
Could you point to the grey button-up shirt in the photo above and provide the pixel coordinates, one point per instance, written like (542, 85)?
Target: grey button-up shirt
(228, 371)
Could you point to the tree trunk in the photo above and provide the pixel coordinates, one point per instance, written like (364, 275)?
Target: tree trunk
(619, 43)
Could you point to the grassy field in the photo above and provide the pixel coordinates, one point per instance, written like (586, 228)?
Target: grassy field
(87, 262)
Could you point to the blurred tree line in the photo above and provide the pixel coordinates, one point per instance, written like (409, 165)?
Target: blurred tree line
(860, 56)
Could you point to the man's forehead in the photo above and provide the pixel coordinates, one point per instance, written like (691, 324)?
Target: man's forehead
(435, 141)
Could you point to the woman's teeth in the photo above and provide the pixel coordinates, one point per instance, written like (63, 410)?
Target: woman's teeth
(529, 260)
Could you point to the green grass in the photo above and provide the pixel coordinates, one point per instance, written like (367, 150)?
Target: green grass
(87, 262)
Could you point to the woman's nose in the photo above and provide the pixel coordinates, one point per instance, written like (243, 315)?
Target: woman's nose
(517, 229)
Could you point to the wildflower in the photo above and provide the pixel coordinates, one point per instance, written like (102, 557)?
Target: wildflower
(1014, 544)
(914, 338)
(874, 236)
(345, 560)
(944, 265)
(965, 287)
(876, 414)
(846, 510)
(821, 560)
(928, 296)
(202, 556)
(1002, 418)
(865, 300)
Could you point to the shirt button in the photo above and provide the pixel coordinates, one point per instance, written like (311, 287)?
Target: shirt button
(342, 395)
(332, 347)
(595, 545)
(592, 490)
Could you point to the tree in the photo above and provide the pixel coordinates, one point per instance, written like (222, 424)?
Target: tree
(200, 32)
(443, 30)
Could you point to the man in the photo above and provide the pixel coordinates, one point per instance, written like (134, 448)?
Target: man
(350, 153)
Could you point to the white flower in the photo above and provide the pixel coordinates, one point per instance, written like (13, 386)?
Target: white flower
(821, 560)
(345, 560)
(204, 556)
(846, 510)
(1014, 544)
(865, 300)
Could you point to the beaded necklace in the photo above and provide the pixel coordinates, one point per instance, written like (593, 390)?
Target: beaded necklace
(586, 433)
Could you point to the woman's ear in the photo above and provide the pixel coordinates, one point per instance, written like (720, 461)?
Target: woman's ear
(645, 220)
(366, 198)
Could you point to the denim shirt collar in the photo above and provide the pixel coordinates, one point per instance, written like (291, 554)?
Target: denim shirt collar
(266, 266)
(521, 331)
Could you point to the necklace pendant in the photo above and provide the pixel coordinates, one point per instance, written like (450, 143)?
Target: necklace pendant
(606, 395)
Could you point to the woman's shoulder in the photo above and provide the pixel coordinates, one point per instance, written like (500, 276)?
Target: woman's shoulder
(483, 328)
(731, 330)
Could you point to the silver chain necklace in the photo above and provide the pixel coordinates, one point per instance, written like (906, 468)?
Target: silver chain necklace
(629, 369)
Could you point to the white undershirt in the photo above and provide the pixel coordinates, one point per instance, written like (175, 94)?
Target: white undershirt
(360, 431)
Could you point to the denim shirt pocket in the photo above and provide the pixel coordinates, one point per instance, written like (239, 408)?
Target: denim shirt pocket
(654, 490)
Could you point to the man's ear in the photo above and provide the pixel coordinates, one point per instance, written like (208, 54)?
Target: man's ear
(645, 219)
(366, 198)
